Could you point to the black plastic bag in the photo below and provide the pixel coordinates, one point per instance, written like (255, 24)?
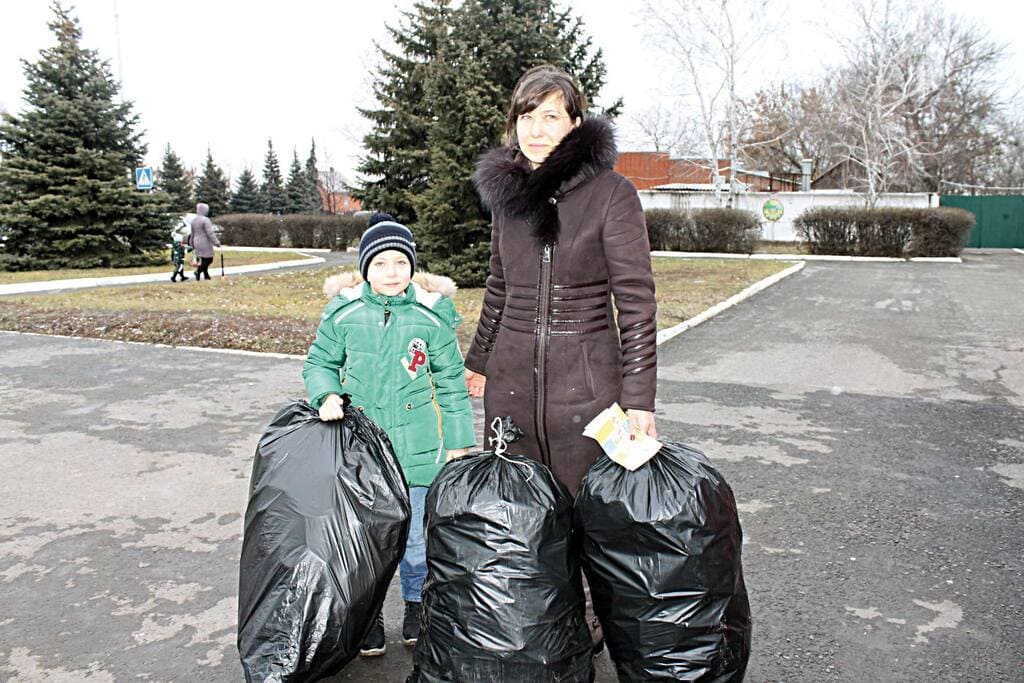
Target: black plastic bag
(503, 598)
(661, 550)
(325, 529)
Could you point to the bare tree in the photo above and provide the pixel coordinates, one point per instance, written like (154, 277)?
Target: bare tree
(666, 130)
(957, 117)
(876, 90)
(715, 43)
(785, 124)
(333, 185)
(916, 99)
(1002, 171)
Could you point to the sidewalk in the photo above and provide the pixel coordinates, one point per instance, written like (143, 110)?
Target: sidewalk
(86, 282)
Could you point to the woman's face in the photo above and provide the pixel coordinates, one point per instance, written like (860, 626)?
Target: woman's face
(540, 130)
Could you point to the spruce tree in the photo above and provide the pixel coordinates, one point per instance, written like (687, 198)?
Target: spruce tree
(171, 179)
(296, 189)
(396, 161)
(67, 194)
(314, 202)
(213, 187)
(246, 198)
(272, 194)
(491, 44)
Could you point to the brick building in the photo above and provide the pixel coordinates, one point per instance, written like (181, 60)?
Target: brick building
(647, 170)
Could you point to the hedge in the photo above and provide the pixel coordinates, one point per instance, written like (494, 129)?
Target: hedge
(310, 231)
(712, 230)
(900, 233)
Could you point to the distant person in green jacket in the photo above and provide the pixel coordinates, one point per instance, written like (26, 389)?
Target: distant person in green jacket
(389, 343)
(178, 251)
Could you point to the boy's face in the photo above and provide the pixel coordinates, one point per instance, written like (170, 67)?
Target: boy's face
(389, 272)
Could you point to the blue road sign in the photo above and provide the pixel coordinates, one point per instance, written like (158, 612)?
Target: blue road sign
(144, 178)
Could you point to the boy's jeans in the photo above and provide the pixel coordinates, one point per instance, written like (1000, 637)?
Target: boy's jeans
(413, 568)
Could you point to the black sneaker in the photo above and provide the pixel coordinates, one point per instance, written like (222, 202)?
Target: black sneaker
(411, 623)
(374, 644)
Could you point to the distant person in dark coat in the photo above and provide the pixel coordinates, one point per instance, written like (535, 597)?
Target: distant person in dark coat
(203, 240)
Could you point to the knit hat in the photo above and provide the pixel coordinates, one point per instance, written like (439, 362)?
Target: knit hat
(385, 233)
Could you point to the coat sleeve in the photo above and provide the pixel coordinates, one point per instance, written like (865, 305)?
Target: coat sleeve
(628, 254)
(490, 312)
(208, 224)
(322, 371)
(446, 368)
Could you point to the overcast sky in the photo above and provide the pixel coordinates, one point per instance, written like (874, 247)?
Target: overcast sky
(229, 74)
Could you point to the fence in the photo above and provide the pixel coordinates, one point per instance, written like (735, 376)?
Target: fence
(792, 204)
(999, 219)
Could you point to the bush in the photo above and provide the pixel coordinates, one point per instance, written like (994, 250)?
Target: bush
(250, 230)
(665, 228)
(894, 232)
(301, 230)
(723, 230)
(710, 230)
(827, 230)
(940, 232)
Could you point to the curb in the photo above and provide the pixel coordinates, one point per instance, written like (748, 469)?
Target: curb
(88, 282)
(665, 335)
(804, 257)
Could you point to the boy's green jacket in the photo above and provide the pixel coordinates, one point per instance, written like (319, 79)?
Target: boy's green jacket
(398, 359)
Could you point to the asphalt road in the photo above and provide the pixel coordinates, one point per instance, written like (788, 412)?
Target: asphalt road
(870, 418)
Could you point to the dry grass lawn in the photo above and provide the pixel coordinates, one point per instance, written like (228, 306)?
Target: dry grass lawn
(231, 258)
(279, 311)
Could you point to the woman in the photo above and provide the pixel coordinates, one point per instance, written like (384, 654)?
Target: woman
(203, 239)
(568, 235)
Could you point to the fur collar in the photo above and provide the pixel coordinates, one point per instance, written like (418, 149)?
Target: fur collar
(429, 287)
(508, 187)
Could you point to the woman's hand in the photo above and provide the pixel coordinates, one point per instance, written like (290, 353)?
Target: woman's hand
(475, 383)
(642, 421)
(332, 408)
(456, 453)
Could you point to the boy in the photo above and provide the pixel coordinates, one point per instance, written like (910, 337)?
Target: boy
(390, 344)
(178, 249)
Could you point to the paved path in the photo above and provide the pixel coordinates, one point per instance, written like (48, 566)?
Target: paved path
(304, 259)
(869, 417)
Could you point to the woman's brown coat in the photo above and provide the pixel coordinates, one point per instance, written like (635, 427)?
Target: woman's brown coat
(566, 238)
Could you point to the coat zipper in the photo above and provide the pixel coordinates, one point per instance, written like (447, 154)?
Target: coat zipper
(542, 352)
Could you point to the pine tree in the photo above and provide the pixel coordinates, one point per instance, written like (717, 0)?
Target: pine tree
(296, 188)
(246, 198)
(396, 163)
(272, 194)
(491, 44)
(314, 202)
(171, 179)
(213, 187)
(67, 196)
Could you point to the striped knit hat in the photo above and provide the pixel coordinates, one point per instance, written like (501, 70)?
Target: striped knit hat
(385, 233)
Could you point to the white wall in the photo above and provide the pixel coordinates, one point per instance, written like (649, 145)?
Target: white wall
(793, 203)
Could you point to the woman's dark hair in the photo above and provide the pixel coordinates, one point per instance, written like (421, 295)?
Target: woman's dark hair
(534, 87)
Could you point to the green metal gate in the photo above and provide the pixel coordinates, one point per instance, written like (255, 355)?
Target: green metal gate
(999, 219)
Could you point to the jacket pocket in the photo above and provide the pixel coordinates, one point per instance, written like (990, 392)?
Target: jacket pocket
(602, 370)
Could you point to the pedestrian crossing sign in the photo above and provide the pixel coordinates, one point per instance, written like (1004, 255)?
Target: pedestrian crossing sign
(144, 178)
